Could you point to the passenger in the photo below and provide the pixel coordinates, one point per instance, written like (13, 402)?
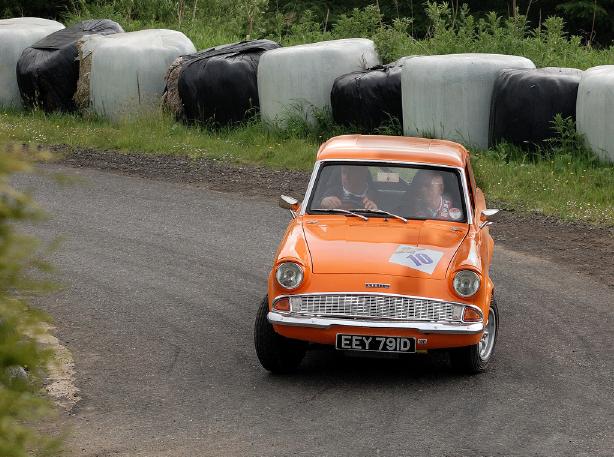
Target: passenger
(352, 192)
(427, 198)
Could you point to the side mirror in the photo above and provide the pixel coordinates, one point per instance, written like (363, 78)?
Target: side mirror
(485, 216)
(289, 203)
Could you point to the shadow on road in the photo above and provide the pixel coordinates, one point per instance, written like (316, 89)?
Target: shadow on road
(328, 365)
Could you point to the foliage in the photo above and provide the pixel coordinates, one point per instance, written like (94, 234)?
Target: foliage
(445, 29)
(457, 31)
(566, 143)
(318, 129)
(305, 30)
(392, 41)
(22, 360)
(359, 23)
(251, 11)
(37, 8)
(592, 20)
(132, 10)
(570, 143)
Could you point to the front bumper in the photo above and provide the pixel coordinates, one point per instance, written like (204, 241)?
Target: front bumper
(451, 328)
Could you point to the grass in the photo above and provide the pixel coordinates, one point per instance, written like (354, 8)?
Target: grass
(561, 184)
(160, 134)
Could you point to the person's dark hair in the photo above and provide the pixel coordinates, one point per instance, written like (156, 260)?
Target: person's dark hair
(421, 177)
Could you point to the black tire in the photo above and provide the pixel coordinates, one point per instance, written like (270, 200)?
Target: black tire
(276, 353)
(468, 359)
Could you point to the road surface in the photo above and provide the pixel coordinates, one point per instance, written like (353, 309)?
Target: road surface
(161, 285)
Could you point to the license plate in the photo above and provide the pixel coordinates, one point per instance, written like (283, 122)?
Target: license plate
(375, 343)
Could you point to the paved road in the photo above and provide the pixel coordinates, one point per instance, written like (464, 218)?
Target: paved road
(162, 284)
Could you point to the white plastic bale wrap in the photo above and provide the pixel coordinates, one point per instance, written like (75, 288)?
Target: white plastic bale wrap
(298, 80)
(127, 70)
(16, 35)
(448, 96)
(595, 110)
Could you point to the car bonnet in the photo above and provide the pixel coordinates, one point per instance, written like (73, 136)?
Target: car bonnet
(419, 249)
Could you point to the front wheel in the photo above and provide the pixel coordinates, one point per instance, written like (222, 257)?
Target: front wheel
(276, 353)
(475, 359)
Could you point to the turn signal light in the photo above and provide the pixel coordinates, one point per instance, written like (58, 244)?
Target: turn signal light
(283, 304)
(471, 315)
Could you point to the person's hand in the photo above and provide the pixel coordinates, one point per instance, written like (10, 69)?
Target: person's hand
(331, 202)
(369, 204)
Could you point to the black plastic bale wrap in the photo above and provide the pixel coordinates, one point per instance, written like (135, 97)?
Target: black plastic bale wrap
(219, 85)
(525, 102)
(48, 71)
(369, 98)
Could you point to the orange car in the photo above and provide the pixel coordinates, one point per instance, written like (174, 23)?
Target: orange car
(388, 252)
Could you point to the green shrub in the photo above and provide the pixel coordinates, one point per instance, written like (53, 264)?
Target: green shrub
(306, 30)
(137, 10)
(319, 128)
(392, 41)
(567, 144)
(457, 31)
(22, 360)
(37, 8)
(447, 30)
(570, 143)
(359, 23)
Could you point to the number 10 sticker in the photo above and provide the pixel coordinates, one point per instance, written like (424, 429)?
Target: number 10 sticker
(424, 260)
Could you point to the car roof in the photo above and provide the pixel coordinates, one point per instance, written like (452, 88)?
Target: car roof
(394, 148)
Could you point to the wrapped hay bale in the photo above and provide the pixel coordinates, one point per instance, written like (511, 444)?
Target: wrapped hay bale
(297, 80)
(16, 35)
(47, 71)
(449, 96)
(123, 74)
(595, 110)
(218, 84)
(524, 103)
(369, 98)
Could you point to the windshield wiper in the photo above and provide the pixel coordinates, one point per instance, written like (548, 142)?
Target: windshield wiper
(380, 211)
(342, 211)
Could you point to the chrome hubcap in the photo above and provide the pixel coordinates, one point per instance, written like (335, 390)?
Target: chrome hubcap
(488, 337)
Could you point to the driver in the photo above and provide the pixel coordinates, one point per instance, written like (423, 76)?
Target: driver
(352, 192)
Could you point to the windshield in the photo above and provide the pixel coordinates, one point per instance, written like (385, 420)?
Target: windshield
(409, 191)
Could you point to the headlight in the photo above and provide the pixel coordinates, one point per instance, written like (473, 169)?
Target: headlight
(289, 275)
(466, 283)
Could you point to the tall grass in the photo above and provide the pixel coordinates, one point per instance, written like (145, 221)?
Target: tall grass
(136, 15)
(559, 186)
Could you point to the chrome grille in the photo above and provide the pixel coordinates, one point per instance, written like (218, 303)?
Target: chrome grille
(376, 306)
